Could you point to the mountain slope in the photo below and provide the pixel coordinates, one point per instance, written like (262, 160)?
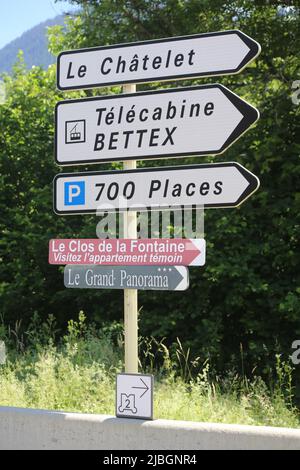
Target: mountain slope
(34, 45)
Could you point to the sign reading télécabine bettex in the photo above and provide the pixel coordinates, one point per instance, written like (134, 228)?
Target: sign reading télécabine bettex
(201, 120)
(220, 53)
(127, 252)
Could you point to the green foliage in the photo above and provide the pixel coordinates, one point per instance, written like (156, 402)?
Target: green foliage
(247, 296)
(27, 222)
(79, 375)
(2, 92)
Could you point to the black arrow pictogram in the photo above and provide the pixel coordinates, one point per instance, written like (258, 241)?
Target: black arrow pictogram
(146, 388)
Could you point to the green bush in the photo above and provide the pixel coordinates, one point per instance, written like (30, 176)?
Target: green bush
(247, 295)
(79, 375)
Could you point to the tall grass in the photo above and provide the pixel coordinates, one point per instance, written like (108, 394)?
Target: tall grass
(78, 374)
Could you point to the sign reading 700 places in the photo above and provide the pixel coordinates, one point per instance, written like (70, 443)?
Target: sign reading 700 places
(201, 120)
(210, 185)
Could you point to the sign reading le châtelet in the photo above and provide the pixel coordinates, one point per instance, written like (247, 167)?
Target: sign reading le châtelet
(127, 252)
(208, 185)
(220, 53)
(200, 120)
(126, 277)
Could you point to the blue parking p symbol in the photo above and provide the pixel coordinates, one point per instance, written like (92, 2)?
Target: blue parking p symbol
(74, 193)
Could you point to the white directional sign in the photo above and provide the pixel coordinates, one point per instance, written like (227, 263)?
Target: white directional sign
(201, 120)
(134, 396)
(198, 55)
(208, 185)
(126, 277)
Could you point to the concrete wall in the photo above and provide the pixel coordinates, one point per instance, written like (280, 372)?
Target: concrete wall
(37, 429)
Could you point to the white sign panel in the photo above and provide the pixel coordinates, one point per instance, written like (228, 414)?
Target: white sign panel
(201, 120)
(199, 55)
(209, 185)
(134, 396)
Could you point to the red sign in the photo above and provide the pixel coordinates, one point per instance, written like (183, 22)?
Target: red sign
(127, 252)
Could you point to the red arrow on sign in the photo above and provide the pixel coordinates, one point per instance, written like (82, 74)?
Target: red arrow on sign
(127, 252)
(194, 251)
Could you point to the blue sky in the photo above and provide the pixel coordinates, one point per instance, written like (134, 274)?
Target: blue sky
(17, 16)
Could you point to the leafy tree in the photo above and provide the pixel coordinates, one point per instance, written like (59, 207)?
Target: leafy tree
(248, 292)
(27, 222)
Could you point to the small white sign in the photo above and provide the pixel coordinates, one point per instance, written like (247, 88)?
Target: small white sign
(134, 396)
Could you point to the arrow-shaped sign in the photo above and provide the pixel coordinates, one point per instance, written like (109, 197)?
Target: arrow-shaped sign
(202, 120)
(127, 252)
(145, 387)
(208, 185)
(126, 277)
(182, 57)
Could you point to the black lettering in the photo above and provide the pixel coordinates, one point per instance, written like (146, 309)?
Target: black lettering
(182, 108)
(156, 63)
(190, 54)
(178, 61)
(131, 186)
(141, 132)
(154, 136)
(101, 186)
(155, 186)
(121, 63)
(197, 107)
(166, 188)
(130, 116)
(112, 191)
(171, 111)
(120, 115)
(204, 189)
(177, 190)
(169, 136)
(112, 140)
(69, 71)
(168, 58)
(100, 111)
(82, 71)
(99, 142)
(134, 63)
(103, 71)
(208, 109)
(190, 192)
(218, 187)
(145, 60)
(157, 114)
(145, 112)
(127, 134)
